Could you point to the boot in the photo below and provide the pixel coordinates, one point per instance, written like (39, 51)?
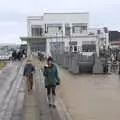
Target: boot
(49, 100)
(53, 101)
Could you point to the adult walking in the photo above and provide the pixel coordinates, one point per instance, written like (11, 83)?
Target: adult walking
(51, 81)
(28, 74)
(14, 55)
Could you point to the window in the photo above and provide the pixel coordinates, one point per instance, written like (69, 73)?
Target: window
(67, 29)
(36, 30)
(76, 28)
(91, 33)
(75, 48)
(79, 27)
(60, 28)
(46, 28)
(73, 29)
(83, 27)
(89, 48)
(53, 28)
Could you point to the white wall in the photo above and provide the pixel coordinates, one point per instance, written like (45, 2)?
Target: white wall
(79, 40)
(61, 18)
(66, 17)
(35, 20)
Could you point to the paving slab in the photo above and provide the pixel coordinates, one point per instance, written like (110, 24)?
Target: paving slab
(31, 110)
(36, 105)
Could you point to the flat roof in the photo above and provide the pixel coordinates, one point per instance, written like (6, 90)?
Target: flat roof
(41, 17)
(67, 13)
(35, 18)
(30, 38)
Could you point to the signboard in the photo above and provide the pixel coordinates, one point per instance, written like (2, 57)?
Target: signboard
(116, 43)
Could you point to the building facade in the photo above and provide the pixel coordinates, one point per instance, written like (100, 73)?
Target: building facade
(63, 32)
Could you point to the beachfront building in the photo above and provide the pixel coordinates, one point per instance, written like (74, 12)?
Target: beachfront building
(63, 32)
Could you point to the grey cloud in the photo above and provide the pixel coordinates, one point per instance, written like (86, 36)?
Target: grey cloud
(13, 14)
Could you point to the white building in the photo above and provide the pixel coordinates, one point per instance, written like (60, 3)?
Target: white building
(55, 31)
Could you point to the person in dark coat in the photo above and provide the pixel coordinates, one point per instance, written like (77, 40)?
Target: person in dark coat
(14, 55)
(29, 69)
(51, 80)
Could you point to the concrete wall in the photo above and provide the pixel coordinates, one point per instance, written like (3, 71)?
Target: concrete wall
(79, 41)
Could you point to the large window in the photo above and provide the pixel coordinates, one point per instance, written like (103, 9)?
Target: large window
(79, 27)
(67, 29)
(89, 46)
(57, 46)
(36, 30)
(53, 28)
(83, 27)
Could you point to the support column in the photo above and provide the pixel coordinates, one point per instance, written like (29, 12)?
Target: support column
(97, 45)
(63, 29)
(28, 49)
(48, 52)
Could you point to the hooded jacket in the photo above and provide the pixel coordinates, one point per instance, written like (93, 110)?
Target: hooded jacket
(51, 75)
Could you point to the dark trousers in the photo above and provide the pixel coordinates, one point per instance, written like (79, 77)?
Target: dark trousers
(51, 89)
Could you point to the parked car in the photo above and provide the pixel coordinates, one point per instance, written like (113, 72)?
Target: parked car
(6, 57)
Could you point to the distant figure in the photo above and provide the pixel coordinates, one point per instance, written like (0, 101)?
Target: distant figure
(40, 56)
(19, 55)
(14, 55)
(29, 69)
(51, 81)
(113, 63)
(105, 66)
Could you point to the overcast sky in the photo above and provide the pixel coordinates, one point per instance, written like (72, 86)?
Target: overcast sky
(13, 14)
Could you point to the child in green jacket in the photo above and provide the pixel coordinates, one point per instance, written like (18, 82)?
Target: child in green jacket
(51, 80)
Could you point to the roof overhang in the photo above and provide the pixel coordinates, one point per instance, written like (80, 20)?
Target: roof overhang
(31, 38)
(51, 37)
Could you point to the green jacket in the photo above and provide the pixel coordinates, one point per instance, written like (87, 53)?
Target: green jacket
(51, 75)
